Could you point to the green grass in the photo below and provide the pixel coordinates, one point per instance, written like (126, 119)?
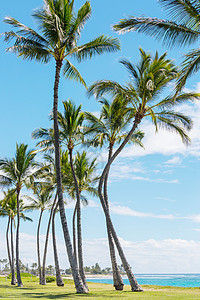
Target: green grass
(32, 290)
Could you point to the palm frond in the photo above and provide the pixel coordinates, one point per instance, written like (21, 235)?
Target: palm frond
(170, 125)
(27, 32)
(184, 11)
(190, 66)
(102, 44)
(71, 72)
(102, 87)
(167, 31)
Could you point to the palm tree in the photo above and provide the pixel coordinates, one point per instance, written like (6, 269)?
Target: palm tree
(47, 175)
(86, 179)
(70, 124)
(182, 29)
(6, 213)
(60, 30)
(148, 79)
(110, 129)
(59, 280)
(41, 201)
(9, 208)
(17, 172)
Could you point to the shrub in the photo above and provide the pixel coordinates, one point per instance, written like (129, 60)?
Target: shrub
(50, 279)
(23, 275)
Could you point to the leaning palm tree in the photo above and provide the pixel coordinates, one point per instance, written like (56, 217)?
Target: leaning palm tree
(148, 79)
(182, 29)
(60, 29)
(16, 173)
(110, 129)
(42, 200)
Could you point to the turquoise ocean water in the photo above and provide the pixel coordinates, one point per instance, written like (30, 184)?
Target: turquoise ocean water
(179, 280)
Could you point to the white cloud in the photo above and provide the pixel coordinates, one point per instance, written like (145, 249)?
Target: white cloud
(129, 169)
(173, 161)
(168, 143)
(126, 211)
(165, 199)
(149, 256)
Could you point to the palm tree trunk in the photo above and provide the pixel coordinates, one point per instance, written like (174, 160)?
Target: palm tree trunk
(80, 288)
(13, 280)
(19, 281)
(59, 280)
(74, 232)
(38, 247)
(117, 279)
(78, 204)
(43, 279)
(7, 242)
(133, 282)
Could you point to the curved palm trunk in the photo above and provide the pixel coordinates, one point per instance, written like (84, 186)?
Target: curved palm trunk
(133, 282)
(59, 280)
(38, 248)
(43, 279)
(7, 242)
(117, 279)
(19, 281)
(80, 288)
(13, 280)
(78, 205)
(74, 232)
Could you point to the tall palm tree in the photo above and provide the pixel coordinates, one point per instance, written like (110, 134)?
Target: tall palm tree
(42, 200)
(148, 79)
(60, 29)
(70, 124)
(110, 128)
(182, 29)
(85, 174)
(47, 175)
(17, 172)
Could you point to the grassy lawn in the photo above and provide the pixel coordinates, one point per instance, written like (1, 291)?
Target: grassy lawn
(99, 291)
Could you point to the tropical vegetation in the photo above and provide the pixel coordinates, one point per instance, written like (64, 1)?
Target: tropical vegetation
(62, 168)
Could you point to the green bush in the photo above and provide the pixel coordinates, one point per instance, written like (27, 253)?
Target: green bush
(50, 279)
(23, 275)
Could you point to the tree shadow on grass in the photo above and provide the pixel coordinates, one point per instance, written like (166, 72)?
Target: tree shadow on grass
(64, 295)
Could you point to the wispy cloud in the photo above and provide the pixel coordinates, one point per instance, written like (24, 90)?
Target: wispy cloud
(126, 211)
(165, 199)
(133, 170)
(173, 161)
(168, 143)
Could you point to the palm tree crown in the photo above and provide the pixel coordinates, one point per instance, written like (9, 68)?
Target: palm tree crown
(70, 124)
(111, 127)
(17, 171)
(143, 92)
(184, 29)
(60, 29)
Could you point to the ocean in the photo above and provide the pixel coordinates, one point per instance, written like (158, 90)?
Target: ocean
(179, 280)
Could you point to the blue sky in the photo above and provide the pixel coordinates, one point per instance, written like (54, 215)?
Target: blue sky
(153, 192)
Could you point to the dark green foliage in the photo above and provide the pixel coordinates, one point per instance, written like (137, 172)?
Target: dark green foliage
(50, 279)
